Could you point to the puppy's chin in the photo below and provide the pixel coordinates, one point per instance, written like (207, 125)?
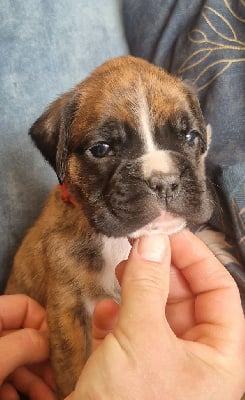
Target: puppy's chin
(165, 223)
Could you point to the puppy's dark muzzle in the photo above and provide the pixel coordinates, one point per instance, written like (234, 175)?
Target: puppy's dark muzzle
(165, 186)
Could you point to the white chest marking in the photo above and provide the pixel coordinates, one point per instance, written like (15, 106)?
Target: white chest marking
(114, 251)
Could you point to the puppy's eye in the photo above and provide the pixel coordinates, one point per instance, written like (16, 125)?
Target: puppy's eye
(192, 137)
(100, 150)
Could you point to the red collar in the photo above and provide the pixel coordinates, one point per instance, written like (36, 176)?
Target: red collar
(65, 196)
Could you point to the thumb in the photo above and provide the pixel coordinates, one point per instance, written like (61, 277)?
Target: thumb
(145, 283)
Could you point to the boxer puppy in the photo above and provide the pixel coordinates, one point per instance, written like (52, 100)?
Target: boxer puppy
(128, 146)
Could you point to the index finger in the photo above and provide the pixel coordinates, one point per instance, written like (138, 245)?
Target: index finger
(217, 296)
(20, 311)
(22, 347)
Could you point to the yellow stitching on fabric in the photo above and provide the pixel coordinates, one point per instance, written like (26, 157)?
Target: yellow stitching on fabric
(234, 39)
(229, 63)
(213, 46)
(209, 50)
(233, 12)
(205, 40)
(214, 76)
(183, 69)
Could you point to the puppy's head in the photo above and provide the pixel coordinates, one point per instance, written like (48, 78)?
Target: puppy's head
(130, 141)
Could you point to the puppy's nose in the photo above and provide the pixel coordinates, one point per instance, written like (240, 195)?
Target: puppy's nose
(164, 185)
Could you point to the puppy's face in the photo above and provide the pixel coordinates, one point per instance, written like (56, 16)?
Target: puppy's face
(131, 142)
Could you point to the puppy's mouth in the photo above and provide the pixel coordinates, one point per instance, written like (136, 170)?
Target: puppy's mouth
(166, 223)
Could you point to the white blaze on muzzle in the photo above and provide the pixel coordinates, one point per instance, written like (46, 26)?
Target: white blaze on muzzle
(159, 161)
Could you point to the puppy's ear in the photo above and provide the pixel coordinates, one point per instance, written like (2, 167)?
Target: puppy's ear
(51, 132)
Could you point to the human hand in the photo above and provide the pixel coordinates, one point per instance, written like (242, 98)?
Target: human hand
(179, 333)
(24, 342)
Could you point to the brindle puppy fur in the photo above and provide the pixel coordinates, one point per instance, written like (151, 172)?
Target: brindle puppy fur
(143, 121)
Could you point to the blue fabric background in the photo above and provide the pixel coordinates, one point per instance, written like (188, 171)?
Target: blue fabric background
(45, 48)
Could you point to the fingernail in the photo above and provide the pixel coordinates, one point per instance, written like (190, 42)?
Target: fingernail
(152, 248)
